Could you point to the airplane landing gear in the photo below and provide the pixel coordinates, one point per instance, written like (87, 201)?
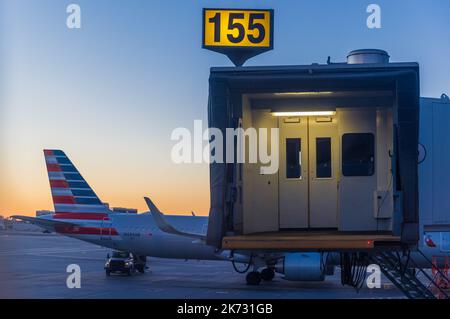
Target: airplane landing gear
(267, 274)
(253, 278)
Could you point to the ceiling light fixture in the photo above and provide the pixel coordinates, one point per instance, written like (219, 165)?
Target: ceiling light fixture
(305, 113)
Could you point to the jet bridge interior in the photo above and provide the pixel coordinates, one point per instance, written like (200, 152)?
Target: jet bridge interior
(346, 146)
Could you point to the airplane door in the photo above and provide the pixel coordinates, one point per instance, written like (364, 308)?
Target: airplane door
(293, 173)
(323, 173)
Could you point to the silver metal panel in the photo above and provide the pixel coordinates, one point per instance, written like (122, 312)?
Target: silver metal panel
(426, 167)
(441, 163)
(434, 172)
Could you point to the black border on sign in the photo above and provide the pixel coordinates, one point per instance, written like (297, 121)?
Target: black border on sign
(214, 48)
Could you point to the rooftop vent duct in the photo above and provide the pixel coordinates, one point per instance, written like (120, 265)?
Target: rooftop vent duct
(368, 56)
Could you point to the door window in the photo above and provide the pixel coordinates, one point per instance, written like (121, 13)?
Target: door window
(293, 158)
(358, 151)
(323, 157)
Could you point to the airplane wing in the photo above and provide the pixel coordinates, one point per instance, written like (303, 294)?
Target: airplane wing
(43, 223)
(164, 225)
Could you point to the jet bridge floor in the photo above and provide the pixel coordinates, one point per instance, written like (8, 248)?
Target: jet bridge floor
(310, 240)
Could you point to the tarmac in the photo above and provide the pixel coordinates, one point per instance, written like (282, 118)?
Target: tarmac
(34, 266)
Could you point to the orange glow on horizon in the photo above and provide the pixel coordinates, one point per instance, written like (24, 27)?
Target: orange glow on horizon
(175, 189)
(184, 205)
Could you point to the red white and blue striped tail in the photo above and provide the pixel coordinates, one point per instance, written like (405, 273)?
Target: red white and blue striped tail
(73, 198)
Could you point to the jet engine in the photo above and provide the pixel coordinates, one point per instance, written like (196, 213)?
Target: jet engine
(302, 267)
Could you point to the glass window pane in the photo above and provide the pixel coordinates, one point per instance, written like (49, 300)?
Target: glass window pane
(293, 158)
(323, 157)
(358, 151)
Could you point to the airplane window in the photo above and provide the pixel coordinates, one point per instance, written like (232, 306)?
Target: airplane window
(358, 153)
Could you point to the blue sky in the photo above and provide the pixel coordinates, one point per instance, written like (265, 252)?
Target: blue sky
(111, 93)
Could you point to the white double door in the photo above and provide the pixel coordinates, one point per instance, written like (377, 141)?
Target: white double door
(308, 174)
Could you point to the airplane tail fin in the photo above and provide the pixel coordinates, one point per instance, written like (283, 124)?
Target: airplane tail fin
(73, 198)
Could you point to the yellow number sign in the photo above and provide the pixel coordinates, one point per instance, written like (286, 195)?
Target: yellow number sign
(237, 28)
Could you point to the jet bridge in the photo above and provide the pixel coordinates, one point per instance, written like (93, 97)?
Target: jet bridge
(347, 139)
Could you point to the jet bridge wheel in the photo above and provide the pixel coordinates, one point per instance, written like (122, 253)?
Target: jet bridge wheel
(253, 278)
(267, 274)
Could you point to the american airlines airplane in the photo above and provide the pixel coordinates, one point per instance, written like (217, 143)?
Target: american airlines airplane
(79, 213)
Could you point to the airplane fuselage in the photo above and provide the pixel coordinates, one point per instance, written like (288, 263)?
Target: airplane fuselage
(139, 234)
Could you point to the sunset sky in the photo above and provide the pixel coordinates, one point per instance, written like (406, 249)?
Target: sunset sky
(110, 93)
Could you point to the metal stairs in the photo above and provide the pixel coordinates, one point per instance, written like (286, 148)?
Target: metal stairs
(402, 271)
